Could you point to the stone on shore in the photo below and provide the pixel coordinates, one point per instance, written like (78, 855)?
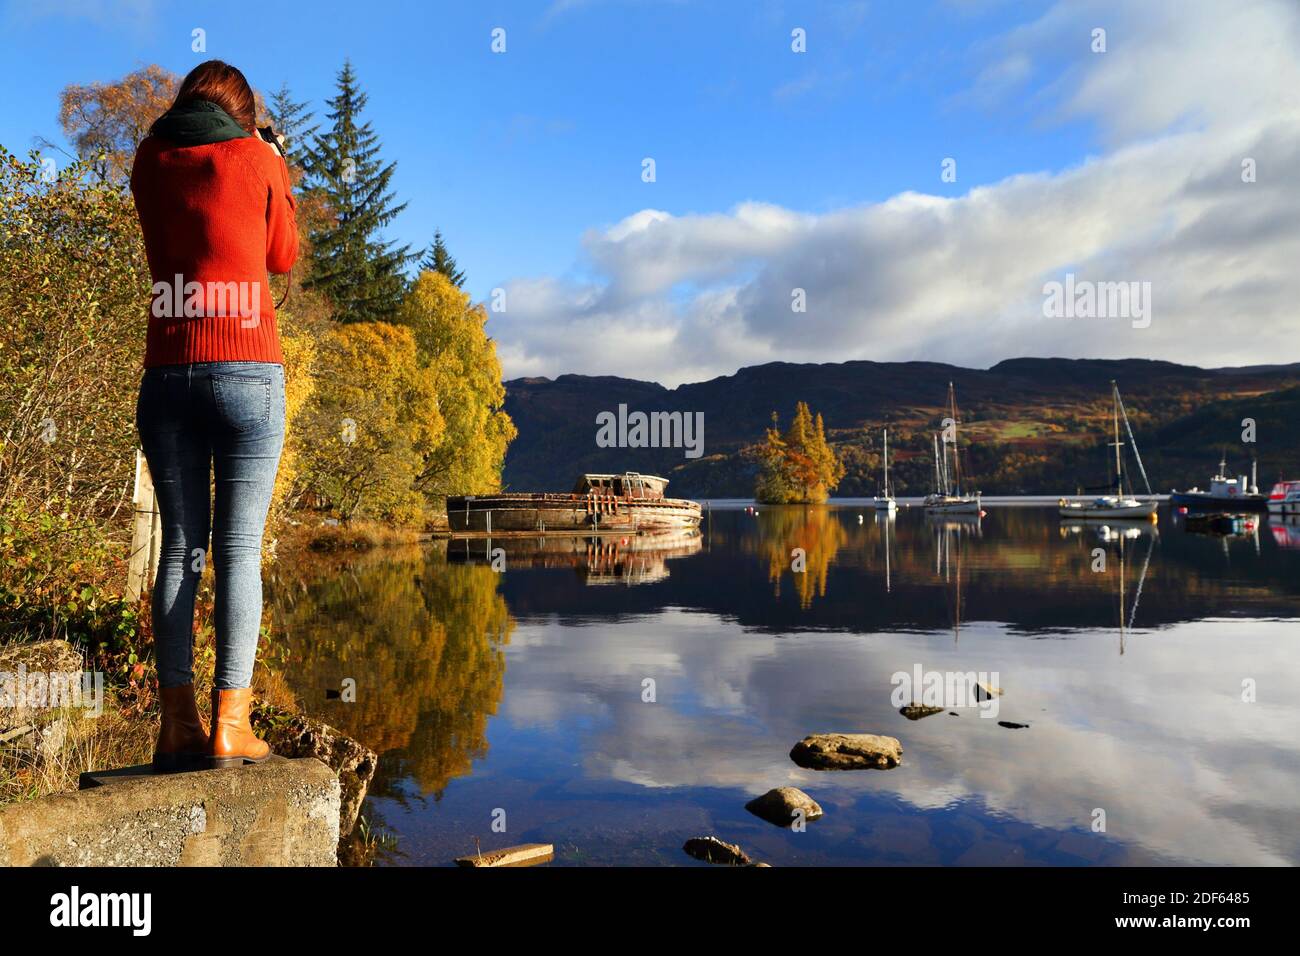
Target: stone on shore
(782, 806)
(847, 752)
(712, 850)
(279, 813)
(302, 736)
(21, 719)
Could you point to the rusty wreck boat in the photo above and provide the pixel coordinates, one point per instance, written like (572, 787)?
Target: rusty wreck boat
(629, 503)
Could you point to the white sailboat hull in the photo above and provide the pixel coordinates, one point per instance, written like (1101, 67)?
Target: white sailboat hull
(1108, 508)
(884, 504)
(952, 504)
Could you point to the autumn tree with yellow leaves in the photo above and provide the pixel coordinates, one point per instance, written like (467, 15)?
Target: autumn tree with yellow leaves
(453, 344)
(799, 466)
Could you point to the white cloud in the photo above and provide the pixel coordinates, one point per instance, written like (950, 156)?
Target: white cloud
(1184, 92)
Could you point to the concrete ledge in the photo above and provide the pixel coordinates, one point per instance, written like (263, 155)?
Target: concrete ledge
(280, 813)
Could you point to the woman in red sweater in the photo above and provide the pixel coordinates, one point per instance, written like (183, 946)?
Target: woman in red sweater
(217, 215)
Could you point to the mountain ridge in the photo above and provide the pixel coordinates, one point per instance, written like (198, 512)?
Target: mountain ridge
(1028, 422)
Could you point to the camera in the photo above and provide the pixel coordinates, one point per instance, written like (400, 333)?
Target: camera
(277, 140)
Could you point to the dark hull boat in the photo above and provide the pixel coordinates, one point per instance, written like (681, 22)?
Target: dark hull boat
(1225, 495)
(599, 504)
(1205, 501)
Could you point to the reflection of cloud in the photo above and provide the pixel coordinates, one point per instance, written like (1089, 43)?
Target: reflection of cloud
(1158, 738)
(1182, 95)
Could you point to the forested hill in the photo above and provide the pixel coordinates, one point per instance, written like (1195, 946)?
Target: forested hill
(1029, 426)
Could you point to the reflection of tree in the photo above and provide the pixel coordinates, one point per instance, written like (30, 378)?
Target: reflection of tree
(816, 530)
(423, 641)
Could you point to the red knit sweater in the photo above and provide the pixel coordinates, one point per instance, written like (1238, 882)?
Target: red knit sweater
(216, 219)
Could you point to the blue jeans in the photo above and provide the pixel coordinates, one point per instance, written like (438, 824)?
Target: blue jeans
(196, 421)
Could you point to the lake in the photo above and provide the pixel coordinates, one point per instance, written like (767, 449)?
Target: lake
(616, 698)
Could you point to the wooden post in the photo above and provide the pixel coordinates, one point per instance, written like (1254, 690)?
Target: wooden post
(146, 535)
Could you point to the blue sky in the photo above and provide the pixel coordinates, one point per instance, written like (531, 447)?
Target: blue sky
(530, 161)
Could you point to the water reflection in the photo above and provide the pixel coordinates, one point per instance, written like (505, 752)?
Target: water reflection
(1123, 649)
(598, 560)
(800, 543)
(424, 647)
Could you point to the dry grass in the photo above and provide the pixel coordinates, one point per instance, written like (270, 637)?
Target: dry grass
(354, 536)
(113, 739)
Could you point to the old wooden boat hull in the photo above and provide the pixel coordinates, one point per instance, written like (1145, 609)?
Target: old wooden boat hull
(569, 513)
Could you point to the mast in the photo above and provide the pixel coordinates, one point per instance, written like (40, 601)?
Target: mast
(1137, 455)
(1119, 476)
(938, 480)
(887, 494)
(956, 457)
(943, 461)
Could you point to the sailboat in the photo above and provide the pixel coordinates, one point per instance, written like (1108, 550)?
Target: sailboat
(1118, 505)
(947, 497)
(885, 502)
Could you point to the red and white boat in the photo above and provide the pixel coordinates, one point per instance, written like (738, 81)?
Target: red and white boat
(1284, 499)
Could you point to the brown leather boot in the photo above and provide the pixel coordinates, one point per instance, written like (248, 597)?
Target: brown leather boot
(182, 737)
(233, 742)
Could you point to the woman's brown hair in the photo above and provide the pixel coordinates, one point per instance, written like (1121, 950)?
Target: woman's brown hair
(220, 83)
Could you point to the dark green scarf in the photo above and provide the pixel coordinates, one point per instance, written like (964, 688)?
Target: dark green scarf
(197, 123)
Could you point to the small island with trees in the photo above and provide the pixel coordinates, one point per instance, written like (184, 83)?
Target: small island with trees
(798, 466)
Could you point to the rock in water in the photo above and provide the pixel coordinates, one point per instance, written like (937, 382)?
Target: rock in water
(353, 763)
(917, 711)
(847, 752)
(712, 850)
(1011, 726)
(781, 805)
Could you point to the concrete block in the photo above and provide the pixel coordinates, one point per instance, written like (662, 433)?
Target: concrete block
(279, 813)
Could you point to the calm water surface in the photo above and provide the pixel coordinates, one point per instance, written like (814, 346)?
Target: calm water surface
(523, 691)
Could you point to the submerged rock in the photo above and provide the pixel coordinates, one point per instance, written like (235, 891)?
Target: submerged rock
(712, 850)
(847, 752)
(918, 711)
(781, 805)
(1011, 726)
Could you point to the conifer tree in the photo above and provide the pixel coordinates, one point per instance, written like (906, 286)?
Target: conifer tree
(799, 466)
(291, 120)
(438, 259)
(351, 265)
